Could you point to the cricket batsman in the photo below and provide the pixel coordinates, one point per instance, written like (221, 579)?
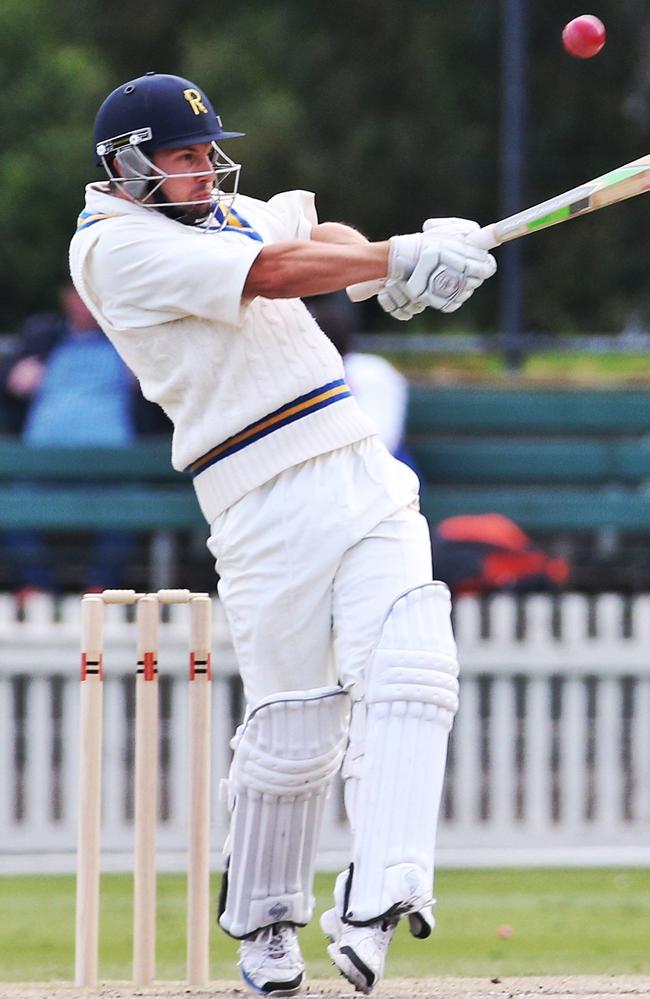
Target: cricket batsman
(342, 636)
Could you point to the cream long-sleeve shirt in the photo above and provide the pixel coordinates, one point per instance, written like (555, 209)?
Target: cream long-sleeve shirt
(252, 387)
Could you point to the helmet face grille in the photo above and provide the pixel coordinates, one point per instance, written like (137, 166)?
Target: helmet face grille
(141, 180)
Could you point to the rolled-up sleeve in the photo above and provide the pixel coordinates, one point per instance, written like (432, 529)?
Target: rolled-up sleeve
(297, 209)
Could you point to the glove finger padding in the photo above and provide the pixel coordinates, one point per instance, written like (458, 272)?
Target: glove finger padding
(447, 272)
(395, 301)
(450, 227)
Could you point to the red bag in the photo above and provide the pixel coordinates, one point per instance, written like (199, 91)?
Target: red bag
(488, 552)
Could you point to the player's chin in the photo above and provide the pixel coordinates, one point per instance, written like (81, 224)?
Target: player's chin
(197, 209)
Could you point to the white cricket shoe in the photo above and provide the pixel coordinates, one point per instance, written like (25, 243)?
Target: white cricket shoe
(270, 962)
(359, 952)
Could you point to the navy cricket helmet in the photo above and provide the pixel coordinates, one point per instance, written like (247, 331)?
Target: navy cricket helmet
(156, 111)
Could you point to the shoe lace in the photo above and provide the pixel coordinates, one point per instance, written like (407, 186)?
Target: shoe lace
(278, 941)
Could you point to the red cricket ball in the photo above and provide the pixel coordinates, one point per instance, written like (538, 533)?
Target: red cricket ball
(584, 36)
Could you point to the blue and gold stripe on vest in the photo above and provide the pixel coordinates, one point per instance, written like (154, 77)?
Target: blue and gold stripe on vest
(319, 398)
(231, 221)
(87, 219)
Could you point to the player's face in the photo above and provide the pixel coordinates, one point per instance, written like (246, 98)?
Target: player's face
(183, 189)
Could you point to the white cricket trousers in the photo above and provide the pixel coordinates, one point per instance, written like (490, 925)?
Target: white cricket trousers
(311, 562)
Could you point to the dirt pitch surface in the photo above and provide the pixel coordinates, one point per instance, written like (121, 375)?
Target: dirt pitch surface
(579, 987)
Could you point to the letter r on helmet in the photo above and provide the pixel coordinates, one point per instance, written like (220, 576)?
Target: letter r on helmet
(195, 101)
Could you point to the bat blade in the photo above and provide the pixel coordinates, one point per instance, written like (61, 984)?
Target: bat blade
(617, 185)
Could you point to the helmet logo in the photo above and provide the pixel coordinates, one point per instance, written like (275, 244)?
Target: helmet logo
(195, 100)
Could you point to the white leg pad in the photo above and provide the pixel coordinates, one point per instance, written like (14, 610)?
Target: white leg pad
(286, 755)
(411, 697)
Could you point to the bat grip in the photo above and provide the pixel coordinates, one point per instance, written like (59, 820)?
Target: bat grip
(364, 289)
(485, 239)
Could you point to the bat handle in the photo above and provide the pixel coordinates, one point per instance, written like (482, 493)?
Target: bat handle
(485, 238)
(364, 289)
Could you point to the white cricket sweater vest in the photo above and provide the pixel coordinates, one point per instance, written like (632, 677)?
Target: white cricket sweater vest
(252, 388)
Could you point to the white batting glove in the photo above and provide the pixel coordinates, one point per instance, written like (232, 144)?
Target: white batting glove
(443, 227)
(448, 272)
(394, 300)
(434, 271)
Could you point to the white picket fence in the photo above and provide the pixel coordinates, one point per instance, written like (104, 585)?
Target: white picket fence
(549, 759)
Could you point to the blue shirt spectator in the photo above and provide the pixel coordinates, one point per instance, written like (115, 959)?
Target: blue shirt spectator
(66, 386)
(84, 397)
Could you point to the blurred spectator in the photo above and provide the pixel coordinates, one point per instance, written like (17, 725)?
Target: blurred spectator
(65, 385)
(380, 389)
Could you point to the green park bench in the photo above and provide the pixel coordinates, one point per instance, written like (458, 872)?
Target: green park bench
(552, 460)
(77, 489)
(69, 491)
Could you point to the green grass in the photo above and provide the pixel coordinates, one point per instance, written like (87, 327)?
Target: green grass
(606, 370)
(563, 922)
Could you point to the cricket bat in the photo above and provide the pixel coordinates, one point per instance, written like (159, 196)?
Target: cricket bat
(617, 185)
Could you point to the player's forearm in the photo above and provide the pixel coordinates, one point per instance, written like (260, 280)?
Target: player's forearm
(300, 268)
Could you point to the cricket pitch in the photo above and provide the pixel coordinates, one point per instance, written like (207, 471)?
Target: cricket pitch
(571, 987)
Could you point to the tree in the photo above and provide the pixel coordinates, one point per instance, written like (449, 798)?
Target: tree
(389, 112)
(48, 99)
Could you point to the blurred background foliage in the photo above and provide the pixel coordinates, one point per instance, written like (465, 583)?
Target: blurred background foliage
(390, 112)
